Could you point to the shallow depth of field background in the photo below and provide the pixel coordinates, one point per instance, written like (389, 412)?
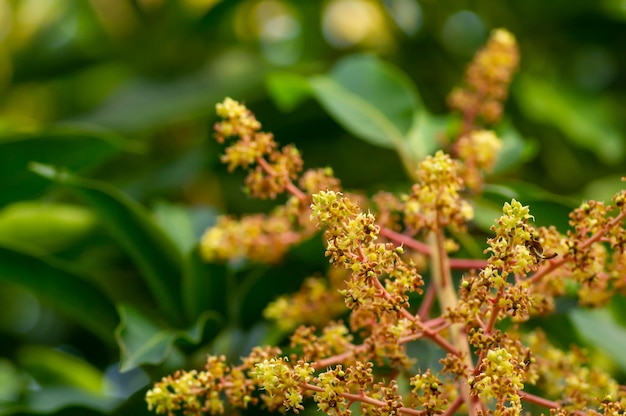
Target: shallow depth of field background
(123, 92)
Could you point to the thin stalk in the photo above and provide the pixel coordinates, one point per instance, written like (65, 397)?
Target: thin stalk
(446, 294)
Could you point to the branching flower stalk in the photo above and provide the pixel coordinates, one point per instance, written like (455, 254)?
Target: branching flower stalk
(378, 260)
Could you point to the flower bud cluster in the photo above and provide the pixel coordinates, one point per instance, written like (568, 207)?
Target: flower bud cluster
(512, 248)
(303, 307)
(283, 381)
(487, 78)
(263, 238)
(513, 252)
(201, 392)
(334, 339)
(258, 237)
(333, 385)
(592, 253)
(428, 393)
(567, 377)
(478, 150)
(598, 271)
(274, 169)
(238, 121)
(500, 378)
(351, 236)
(435, 200)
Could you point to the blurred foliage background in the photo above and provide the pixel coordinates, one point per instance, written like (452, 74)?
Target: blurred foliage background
(122, 92)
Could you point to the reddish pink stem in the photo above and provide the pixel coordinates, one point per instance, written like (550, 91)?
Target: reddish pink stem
(531, 398)
(364, 399)
(555, 264)
(290, 187)
(423, 248)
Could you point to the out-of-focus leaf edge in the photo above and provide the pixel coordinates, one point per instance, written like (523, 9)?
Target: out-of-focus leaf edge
(79, 299)
(151, 249)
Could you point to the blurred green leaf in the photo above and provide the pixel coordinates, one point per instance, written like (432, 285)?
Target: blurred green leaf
(174, 175)
(584, 121)
(549, 212)
(204, 286)
(52, 399)
(76, 297)
(423, 138)
(153, 252)
(371, 99)
(176, 221)
(603, 189)
(287, 89)
(486, 212)
(261, 286)
(135, 405)
(547, 208)
(74, 147)
(142, 341)
(11, 382)
(515, 149)
(47, 226)
(52, 367)
(148, 104)
(600, 329)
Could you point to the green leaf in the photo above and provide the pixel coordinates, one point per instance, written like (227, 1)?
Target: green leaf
(142, 341)
(75, 148)
(47, 226)
(515, 149)
(52, 367)
(585, 121)
(371, 99)
(423, 136)
(604, 188)
(177, 223)
(486, 212)
(287, 89)
(148, 104)
(599, 329)
(77, 298)
(11, 382)
(204, 286)
(52, 399)
(547, 208)
(260, 287)
(153, 252)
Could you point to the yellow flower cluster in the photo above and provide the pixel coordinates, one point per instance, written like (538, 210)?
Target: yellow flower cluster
(351, 236)
(500, 378)
(263, 238)
(435, 200)
(282, 380)
(566, 376)
(427, 391)
(487, 78)
(303, 307)
(478, 150)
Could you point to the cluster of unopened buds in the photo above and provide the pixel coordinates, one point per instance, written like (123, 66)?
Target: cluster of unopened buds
(379, 249)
